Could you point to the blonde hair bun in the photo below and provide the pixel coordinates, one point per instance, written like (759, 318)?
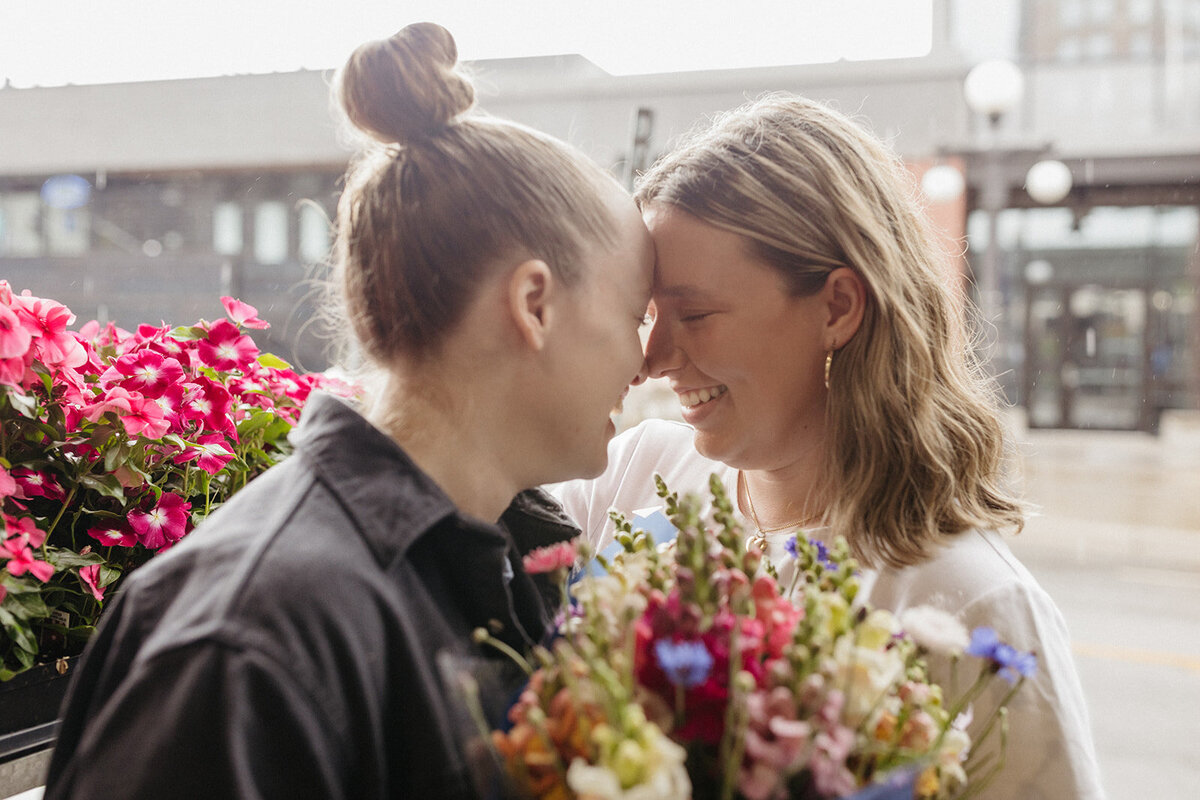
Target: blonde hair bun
(406, 87)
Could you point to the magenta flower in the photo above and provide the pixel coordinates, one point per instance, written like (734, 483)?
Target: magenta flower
(119, 535)
(209, 404)
(138, 415)
(55, 345)
(226, 347)
(8, 485)
(243, 314)
(162, 525)
(18, 548)
(146, 371)
(170, 402)
(15, 337)
(211, 452)
(551, 557)
(25, 530)
(89, 575)
(33, 483)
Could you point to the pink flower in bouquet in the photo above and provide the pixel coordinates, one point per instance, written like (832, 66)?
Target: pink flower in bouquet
(243, 314)
(145, 371)
(90, 575)
(211, 453)
(208, 403)
(226, 347)
(162, 525)
(553, 557)
(54, 344)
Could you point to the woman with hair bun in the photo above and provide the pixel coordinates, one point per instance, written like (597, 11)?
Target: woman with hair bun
(494, 281)
(804, 319)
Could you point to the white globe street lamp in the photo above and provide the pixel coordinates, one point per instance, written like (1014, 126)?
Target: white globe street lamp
(943, 183)
(993, 88)
(1048, 182)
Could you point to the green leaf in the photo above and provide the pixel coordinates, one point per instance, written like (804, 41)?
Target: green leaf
(255, 422)
(69, 559)
(189, 333)
(272, 360)
(26, 405)
(107, 485)
(19, 632)
(116, 456)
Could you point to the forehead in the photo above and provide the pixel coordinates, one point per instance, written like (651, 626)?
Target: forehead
(694, 258)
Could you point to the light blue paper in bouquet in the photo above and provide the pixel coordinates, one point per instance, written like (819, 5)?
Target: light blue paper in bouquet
(898, 785)
(653, 521)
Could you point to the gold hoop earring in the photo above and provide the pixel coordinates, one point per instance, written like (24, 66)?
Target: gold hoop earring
(828, 365)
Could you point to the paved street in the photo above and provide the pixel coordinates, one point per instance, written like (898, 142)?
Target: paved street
(1118, 547)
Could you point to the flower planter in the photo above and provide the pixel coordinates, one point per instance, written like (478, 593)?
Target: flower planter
(29, 706)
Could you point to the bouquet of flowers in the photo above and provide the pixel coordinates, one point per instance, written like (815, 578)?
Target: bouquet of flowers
(113, 446)
(688, 671)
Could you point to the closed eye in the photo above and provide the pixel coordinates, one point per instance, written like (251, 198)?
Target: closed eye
(695, 317)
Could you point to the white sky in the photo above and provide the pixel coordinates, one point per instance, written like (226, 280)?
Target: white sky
(52, 42)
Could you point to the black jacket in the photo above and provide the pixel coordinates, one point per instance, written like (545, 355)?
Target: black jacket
(289, 647)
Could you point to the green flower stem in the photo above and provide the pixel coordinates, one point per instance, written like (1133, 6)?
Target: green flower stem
(62, 510)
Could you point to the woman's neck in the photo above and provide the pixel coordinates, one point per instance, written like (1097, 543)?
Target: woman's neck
(450, 437)
(785, 497)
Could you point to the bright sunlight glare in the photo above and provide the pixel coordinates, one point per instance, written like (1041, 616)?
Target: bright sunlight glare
(55, 42)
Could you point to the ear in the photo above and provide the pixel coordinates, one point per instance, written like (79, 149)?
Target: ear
(845, 297)
(530, 289)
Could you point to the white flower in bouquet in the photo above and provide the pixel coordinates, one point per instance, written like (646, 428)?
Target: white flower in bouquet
(935, 630)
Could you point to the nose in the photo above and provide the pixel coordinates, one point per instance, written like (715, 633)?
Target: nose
(662, 354)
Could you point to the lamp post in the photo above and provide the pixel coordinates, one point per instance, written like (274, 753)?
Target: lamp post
(993, 89)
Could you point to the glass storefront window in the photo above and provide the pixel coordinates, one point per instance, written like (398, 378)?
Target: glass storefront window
(270, 232)
(22, 224)
(227, 229)
(314, 234)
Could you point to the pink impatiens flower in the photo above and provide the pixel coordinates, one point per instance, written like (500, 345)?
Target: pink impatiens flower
(54, 344)
(211, 453)
(8, 486)
(119, 535)
(146, 371)
(550, 558)
(15, 337)
(226, 347)
(33, 483)
(243, 313)
(90, 575)
(22, 536)
(138, 415)
(208, 404)
(164, 524)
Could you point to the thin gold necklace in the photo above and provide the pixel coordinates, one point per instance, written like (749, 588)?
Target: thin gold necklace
(760, 534)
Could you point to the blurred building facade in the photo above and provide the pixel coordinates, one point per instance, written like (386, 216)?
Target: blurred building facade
(140, 202)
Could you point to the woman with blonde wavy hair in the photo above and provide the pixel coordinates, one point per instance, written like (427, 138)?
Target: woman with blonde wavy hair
(803, 317)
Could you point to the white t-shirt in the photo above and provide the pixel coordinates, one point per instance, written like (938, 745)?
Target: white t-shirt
(1050, 753)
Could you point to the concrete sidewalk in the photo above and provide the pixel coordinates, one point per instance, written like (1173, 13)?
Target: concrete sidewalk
(1104, 497)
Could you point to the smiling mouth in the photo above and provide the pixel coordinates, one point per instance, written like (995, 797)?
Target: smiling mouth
(702, 396)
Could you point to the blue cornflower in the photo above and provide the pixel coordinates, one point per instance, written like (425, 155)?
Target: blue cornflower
(686, 664)
(1010, 662)
(822, 554)
(792, 546)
